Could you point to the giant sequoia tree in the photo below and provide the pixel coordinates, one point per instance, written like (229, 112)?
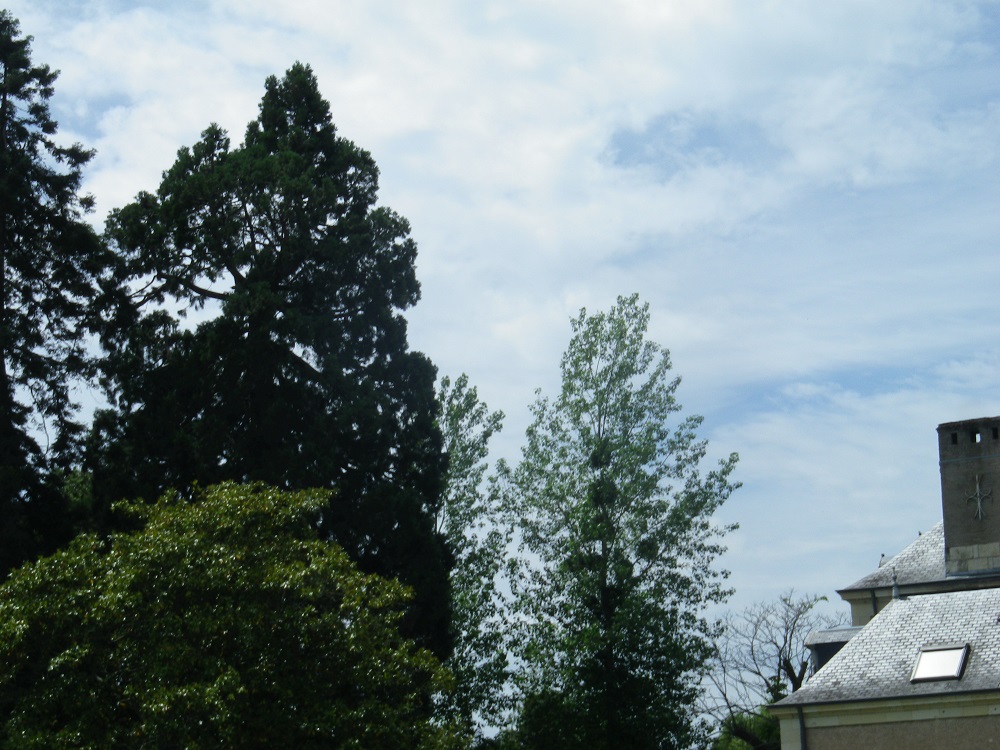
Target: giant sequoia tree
(615, 518)
(298, 374)
(49, 259)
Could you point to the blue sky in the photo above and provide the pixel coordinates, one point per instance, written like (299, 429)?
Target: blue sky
(805, 192)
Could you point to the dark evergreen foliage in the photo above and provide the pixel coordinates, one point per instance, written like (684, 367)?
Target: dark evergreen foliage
(294, 369)
(50, 260)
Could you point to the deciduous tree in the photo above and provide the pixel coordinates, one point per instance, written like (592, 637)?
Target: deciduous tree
(760, 657)
(618, 546)
(469, 520)
(220, 622)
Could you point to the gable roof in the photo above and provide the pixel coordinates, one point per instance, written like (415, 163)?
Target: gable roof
(878, 662)
(920, 562)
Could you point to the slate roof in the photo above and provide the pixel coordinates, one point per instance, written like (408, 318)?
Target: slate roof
(878, 662)
(921, 562)
(832, 635)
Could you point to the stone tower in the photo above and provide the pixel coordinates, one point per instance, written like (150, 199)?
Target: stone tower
(970, 469)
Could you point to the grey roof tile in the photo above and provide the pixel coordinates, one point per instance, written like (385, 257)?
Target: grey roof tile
(878, 661)
(921, 562)
(841, 634)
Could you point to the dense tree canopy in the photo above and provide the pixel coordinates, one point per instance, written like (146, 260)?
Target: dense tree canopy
(250, 315)
(221, 622)
(49, 262)
(298, 374)
(618, 544)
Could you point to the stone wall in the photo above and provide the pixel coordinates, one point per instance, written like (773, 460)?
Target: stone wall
(970, 465)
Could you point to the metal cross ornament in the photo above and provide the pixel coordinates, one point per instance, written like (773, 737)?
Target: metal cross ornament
(978, 497)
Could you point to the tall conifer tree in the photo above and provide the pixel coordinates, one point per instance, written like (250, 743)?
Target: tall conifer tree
(299, 374)
(49, 261)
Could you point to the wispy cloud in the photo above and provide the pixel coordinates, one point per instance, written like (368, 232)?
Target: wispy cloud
(806, 193)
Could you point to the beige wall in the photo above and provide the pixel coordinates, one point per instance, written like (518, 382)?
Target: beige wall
(940, 734)
(861, 605)
(955, 722)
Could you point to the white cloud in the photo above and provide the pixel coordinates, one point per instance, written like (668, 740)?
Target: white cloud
(804, 192)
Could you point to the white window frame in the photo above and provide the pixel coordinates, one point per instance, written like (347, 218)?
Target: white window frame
(940, 661)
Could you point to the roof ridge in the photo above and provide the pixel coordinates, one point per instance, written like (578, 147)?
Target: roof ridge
(921, 561)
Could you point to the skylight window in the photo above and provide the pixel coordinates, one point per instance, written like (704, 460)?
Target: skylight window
(940, 662)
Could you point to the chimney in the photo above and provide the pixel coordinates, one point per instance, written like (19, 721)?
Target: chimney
(970, 466)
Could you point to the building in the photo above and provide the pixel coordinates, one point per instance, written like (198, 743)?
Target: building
(920, 668)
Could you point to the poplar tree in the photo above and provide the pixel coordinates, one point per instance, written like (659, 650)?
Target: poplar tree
(50, 260)
(617, 547)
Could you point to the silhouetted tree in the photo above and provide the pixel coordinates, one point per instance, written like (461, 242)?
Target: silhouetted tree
(760, 657)
(297, 372)
(50, 262)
